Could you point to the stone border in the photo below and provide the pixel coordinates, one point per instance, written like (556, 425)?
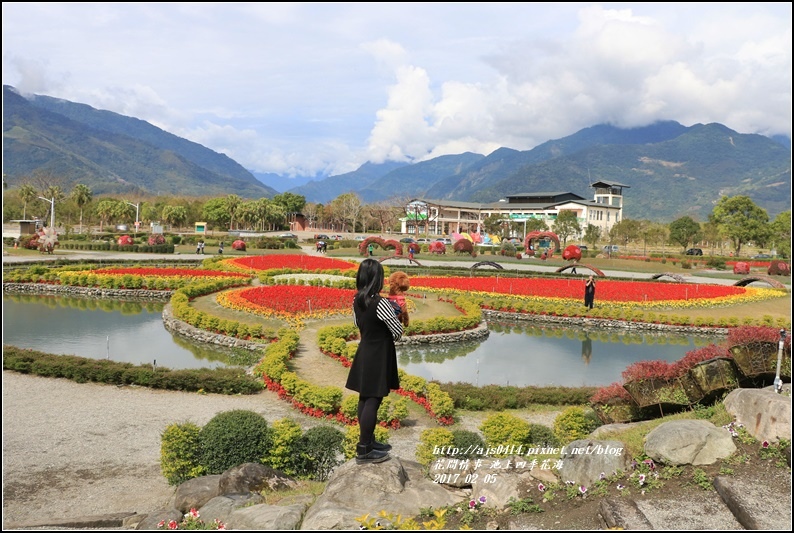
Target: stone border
(480, 332)
(607, 323)
(39, 288)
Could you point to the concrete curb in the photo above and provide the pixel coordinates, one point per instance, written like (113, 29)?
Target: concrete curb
(115, 520)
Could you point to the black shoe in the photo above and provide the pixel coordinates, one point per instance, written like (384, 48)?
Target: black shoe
(381, 446)
(366, 454)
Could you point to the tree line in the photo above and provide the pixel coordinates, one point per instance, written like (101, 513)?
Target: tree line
(736, 220)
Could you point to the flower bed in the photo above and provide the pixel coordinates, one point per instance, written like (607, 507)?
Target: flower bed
(299, 302)
(290, 261)
(632, 293)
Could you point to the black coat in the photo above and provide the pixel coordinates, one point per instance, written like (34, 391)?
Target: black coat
(374, 369)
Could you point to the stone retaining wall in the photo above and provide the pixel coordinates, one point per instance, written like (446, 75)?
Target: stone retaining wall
(599, 323)
(183, 329)
(480, 332)
(71, 290)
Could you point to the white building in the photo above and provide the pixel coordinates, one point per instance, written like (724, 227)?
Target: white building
(442, 217)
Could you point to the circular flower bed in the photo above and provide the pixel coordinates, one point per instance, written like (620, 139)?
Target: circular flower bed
(291, 261)
(298, 301)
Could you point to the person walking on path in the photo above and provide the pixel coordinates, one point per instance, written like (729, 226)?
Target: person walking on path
(374, 370)
(589, 292)
(370, 249)
(220, 248)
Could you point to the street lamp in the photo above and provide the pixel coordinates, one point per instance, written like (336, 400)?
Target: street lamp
(778, 383)
(52, 209)
(136, 206)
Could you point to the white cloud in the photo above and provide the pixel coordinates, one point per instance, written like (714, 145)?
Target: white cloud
(300, 88)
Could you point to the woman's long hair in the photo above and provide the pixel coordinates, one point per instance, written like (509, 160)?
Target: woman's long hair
(369, 282)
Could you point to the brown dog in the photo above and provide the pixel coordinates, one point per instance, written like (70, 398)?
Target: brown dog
(398, 285)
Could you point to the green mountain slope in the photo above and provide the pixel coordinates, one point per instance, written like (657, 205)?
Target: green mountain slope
(108, 153)
(684, 175)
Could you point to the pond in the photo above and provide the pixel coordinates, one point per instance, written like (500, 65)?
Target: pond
(522, 354)
(125, 331)
(515, 353)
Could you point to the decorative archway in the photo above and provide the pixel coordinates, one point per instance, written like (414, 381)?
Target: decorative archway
(591, 268)
(676, 277)
(487, 263)
(750, 279)
(532, 235)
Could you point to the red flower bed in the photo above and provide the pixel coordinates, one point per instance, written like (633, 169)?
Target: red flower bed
(642, 370)
(692, 358)
(170, 272)
(608, 290)
(125, 240)
(297, 299)
(613, 391)
(748, 334)
(292, 261)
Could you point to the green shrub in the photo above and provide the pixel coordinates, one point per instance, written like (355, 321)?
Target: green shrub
(179, 453)
(572, 424)
(232, 438)
(503, 429)
(283, 455)
(540, 435)
(469, 443)
(319, 451)
(431, 440)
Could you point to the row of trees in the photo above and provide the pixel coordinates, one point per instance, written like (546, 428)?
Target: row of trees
(734, 219)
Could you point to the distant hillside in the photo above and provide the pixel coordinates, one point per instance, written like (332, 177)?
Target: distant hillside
(326, 190)
(111, 153)
(415, 180)
(684, 175)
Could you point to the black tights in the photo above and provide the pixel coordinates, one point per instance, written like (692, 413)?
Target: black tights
(367, 417)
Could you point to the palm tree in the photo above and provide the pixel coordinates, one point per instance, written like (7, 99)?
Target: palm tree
(27, 193)
(232, 203)
(82, 196)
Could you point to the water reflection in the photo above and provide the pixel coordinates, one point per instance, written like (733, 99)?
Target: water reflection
(126, 331)
(524, 354)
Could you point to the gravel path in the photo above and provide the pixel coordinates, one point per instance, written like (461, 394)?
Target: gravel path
(72, 450)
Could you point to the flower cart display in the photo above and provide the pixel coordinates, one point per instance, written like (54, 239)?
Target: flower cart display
(653, 383)
(757, 361)
(715, 376)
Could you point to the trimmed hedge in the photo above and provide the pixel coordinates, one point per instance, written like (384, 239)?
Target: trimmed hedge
(85, 369)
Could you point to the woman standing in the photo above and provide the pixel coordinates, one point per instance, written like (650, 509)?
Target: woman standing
(374, 370)
(589, 292)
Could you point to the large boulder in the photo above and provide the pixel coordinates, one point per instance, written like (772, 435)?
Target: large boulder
(194, 493)
(397, 486)
(253, 477)
(765, 414)
(583, 461)
(688, 442)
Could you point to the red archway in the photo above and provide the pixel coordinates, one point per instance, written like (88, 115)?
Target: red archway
(532, 235)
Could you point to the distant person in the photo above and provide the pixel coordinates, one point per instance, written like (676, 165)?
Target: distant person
(220, 248)
(589, 292)
(200, 247)
(370, 249)
(573, 270)
(411, 253)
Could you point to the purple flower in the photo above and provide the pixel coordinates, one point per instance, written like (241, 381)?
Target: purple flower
(621, 487)
(650, 463)
(582, 489)
(481, 499)
(765, 444)
(541, 487)
(472, 504)
(642, 479)
(602, 476)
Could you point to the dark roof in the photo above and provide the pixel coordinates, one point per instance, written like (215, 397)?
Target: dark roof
(604, 183)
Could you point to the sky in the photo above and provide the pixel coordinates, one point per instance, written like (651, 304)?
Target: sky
(305, 89)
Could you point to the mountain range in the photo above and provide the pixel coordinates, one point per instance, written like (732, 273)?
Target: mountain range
(669, 169)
